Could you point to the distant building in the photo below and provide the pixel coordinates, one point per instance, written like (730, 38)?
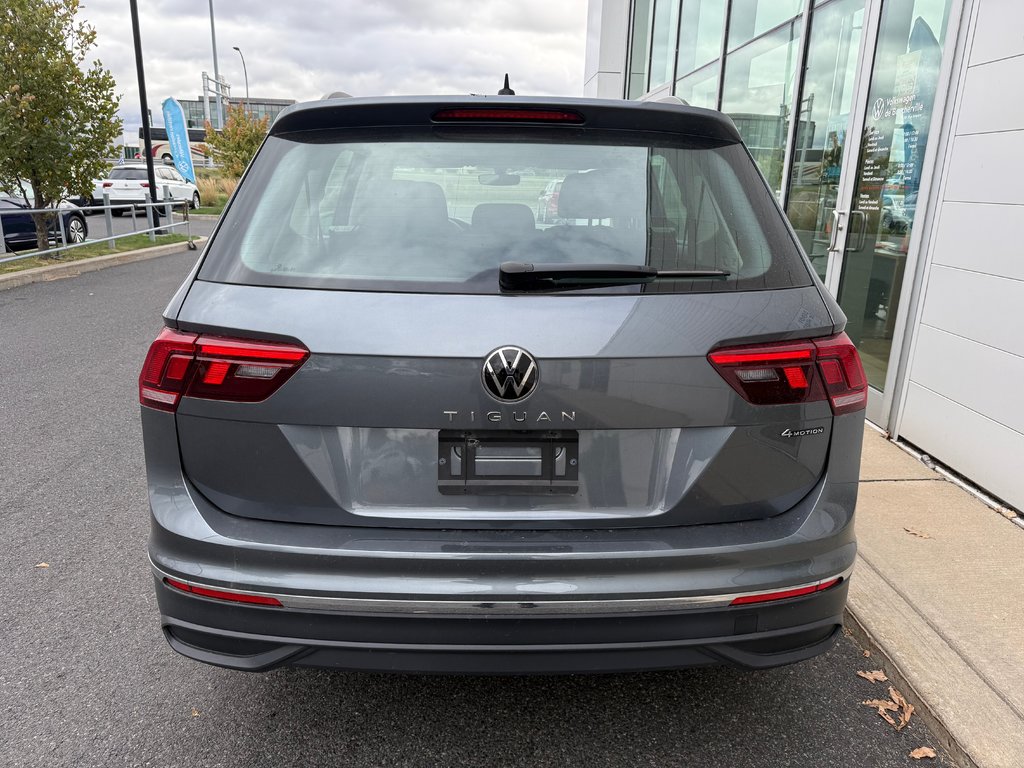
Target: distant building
(195, 113)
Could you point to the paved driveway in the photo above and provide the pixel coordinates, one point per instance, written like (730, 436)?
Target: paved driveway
(87, 680)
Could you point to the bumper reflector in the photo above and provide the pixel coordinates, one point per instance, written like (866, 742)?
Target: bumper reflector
(766, 597)
(217, 594)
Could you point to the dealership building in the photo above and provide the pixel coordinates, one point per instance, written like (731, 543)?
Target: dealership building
(892, 132)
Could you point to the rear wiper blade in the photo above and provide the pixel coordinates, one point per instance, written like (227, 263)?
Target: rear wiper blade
(517, 276)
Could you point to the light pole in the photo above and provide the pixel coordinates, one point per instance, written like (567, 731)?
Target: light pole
(245, 73)
(216, 71)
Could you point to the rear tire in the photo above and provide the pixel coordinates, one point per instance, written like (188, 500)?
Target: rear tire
(195, 200)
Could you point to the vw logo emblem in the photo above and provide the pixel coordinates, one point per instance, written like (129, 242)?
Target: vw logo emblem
(510, 374)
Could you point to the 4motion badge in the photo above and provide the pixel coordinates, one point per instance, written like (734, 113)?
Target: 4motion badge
(801, 432)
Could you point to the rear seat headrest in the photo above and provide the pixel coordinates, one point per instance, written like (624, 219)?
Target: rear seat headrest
(598, 194)
(404, 205)
(511, 218)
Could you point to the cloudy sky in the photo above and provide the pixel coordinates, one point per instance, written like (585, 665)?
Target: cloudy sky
(302, 49)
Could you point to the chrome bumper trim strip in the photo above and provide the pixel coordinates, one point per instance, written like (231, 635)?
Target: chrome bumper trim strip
(565, 607)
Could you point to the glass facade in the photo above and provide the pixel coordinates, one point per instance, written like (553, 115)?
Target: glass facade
(260, 108)
(700, 88)
(663, 41)
(850, 169)
(639, 49)
(700, 34)
(888, 174)
(750, 18)
(760, 79)
(827, 98)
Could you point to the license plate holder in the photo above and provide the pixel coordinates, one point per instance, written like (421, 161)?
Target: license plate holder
(508, 463)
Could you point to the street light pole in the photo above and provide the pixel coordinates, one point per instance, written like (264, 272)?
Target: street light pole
(216, 72)
(245, 72)
(147, 141)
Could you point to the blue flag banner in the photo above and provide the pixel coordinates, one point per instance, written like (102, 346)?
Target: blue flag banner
(177, 137)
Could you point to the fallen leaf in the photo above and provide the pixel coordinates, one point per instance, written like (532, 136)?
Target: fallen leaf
(195, 712)
(921, 752)
(883, 704)
(866, 654)
(919, 534)
(906, 708)
(42, 565)
(884, 707)
(875, 676)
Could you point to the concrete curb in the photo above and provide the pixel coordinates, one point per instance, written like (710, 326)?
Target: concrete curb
(882, 659)
(972, 723)
(205, 216)
(74, 268)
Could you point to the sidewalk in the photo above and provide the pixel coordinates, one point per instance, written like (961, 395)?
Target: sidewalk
(938, 593)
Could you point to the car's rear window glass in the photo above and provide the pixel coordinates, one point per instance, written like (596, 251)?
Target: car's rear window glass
(441, 215)
(135, 174)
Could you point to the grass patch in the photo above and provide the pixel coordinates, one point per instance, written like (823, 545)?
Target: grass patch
(216, 208)
(122, 244)
(214, 191)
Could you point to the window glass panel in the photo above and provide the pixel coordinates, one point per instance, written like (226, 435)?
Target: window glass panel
(836, 31)
(901, 96)
(133, 174)
(750, 18)
(701, 88)
(663, 42)
(638, 49)
(700, 33)
(759, 84)
(441, 216)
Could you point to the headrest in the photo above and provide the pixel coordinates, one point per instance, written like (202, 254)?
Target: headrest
(504, 218)
(600, 194)
(419, 205)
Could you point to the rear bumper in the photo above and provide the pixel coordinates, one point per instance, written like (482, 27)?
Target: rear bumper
(496, 601)
(255, 639)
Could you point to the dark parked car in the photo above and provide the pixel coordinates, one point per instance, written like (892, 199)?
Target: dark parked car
(391, 424)
(20, 229)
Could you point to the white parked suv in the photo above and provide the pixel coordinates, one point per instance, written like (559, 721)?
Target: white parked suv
(130, 184)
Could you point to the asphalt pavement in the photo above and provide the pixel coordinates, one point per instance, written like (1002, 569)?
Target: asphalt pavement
(121, 225)
(86, 678)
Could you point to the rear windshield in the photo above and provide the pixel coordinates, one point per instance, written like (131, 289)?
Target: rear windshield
(440, 215)
(129, 173)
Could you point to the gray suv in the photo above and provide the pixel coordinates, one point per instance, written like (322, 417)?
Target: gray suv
(394, 422)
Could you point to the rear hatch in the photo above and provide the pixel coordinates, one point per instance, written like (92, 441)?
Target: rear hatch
(126, 184)
(642, 358)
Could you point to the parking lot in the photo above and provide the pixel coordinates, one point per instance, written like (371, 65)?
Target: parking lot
(125, 224)
(87, 679)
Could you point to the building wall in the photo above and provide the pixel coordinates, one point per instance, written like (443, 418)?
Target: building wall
(962, 401)
(605, 65)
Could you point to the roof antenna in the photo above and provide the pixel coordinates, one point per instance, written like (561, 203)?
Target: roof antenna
(506, 91)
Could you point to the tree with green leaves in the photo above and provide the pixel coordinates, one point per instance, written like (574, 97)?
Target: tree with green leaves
(58, 113)
(236, 145)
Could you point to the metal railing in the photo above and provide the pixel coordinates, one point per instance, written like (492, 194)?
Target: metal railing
(153, 228)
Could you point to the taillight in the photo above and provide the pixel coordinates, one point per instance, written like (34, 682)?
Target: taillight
(505, 115)
(163, 376)
(107, 184)
(796, 372)
(214, 368)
